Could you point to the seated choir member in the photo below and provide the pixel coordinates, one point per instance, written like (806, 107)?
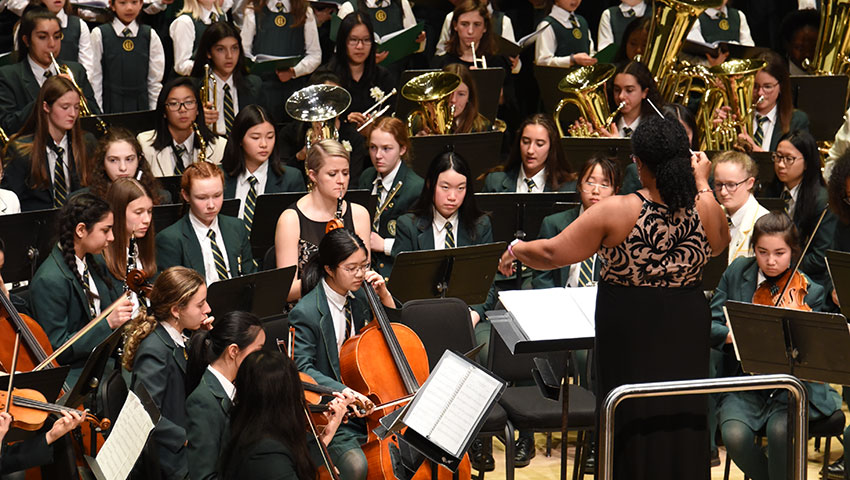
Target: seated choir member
(49, 158)
(220, 47)
(615, 20)
(72, 285)
(9, 202)
(132, 210)
(537, 162)
(186, 30)
(268, 426)
(38, 449)
(395, 184)
(38, 36)
(155, 354)
(215, 245)
(173, 144)
(214, 358)
(119, 155)
(387, 16)
(467, 118)
(128, 61)
(251, 164)
(301, 227)
(799, 183)
(568, 42)
(743, 414)
(446, 216)
(333, 309)
(735, 175)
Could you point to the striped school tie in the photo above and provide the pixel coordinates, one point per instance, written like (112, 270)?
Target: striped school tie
(758, 137)
(376, 221)
(627, 132)
(629, 13)
(574, 21)
(279, 7)
(228, 109)
(585, 274)
(220, 269)
(349, 321)
(530, 184)
(87, 288)
(785, 196)
(179, 153)
(250, 203)
(60, 183)
(450, 236)
(126, 32)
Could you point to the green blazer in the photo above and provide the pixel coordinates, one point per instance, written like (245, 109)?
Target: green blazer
(553, 225)
(207, 410)
(409, 186)
(59, 304)
(19, 89)
(290, 181)
(739, 283)
(160, 365)
(267, 459)
(32, 452)
(178, 245)
(497, 182)
(799, 121)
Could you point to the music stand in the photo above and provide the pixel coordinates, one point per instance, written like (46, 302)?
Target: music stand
(258, 293)
(771, 203)
(29, 239)
(580, 149)
(133, 121)
(166, 215)
(547, 80)
(838, 267)
(93, 370)
(171, 184)
(48, 382)
(482, 151)
(466, 273)
(817, 95)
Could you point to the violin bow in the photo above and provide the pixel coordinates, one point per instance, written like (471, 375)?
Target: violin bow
(802, 254)
(12, 370)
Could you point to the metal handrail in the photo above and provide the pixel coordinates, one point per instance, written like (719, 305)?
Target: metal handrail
(794, 386)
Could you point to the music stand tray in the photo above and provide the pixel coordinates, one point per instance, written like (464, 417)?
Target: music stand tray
(260, 293)
(582, 148)
(166, 215)
(136, 122)
(93, 370)
(513, 213)
(482, 151)
(29, 239)
(548, 79)
(817, 95)
(466, 273)
(714, 269)
(771, 203)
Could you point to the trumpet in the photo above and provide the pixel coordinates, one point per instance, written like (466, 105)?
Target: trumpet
(85, 111)
(202, 144)
(208, 91)
(432, 91)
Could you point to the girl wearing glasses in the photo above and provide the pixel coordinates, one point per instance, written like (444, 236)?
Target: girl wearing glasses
(537, 162)
(334, 309)
(799, 183)
(735, 174)
(173, 144)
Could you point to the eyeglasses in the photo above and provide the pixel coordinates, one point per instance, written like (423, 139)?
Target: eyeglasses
(767, 87)
(589, 187)
(787, 160)
(353, 42)
(175, 105)
(355, 269)
(731, 187)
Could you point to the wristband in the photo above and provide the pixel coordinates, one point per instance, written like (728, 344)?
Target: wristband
(511, 247)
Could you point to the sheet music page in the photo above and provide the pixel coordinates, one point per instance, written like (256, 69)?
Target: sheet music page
(553, 313)
(126, 440)
(451, 402)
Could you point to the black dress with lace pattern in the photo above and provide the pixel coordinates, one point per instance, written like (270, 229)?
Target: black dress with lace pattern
(652, 324)
(312, 233)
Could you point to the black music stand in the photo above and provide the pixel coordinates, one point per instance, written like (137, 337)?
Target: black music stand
(488, 81)
(171, 184)
(94, 369)
(818, 96)
(271, 205)
(133, 121)
(259, 293)
(764, 161)
(714, 269)
(482, 151)
(48, 382)
(466, 273)
(580, 149)
(29, 238)
(771, 203)
(838, 266)
(166, 215)
(547, 80)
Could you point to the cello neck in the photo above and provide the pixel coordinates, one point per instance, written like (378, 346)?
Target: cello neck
(404, 370)
(21, 326)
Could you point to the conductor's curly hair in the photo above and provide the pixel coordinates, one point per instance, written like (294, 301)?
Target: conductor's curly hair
(661, 145)
(837, 188)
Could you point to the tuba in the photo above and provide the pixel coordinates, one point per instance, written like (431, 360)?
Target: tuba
(208, 91)
(833, 47)
(432, 91)
(733, 88)
(585, 88)
(85, 111)
(318, 103)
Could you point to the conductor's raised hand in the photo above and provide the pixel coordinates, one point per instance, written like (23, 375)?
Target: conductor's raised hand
(702, 169)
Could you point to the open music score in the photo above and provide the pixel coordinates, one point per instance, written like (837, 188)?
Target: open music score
(574, 311)
(116, 458)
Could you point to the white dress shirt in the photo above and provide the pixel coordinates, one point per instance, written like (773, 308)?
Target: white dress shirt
(219, 101)
(438, 224)
(539, 181)
(226, 384)
(744, 36)
(547, 43)
(206, 246)
(769, 126)
(38, 71)
(840, 145)
(17, 6)
(606, 33)
(387, 181)
(84, 56)
(156, 61)
(182, 32)
(407, 18)
(807, 4)
(312, 48)
(177, 337)
(9, 202)
(741, 230)
(621, 126)
(336, 305)
(66, 158)
(243, 186)
(81, 265)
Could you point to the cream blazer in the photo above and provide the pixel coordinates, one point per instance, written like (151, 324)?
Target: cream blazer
(162, 161)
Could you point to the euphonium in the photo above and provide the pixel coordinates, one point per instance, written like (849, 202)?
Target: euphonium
(318, 103)
(208, 91)
(432, 91)
(833, 47)
(202, 144)
(85, 111)
(736, 78)
(585, 88)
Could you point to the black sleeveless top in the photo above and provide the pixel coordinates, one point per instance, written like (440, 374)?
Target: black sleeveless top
(312, 233)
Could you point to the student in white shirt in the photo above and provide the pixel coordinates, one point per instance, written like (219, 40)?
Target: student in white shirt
(566, 40)
(724, 24)
(614, 20)
(76, 37)
(187, 28)
(735, 174)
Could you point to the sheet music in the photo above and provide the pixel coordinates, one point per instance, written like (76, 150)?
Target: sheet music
(451, 402)
(553, 313)
(126, 440)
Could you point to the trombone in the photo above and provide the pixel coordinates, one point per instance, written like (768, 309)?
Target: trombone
(85, 111)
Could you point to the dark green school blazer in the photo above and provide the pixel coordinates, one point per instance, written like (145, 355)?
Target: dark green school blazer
(32, 452)
(19, 89)
(267, 459)
(208, 410)
(409, 186)
(739, 283)
(178, 245)
(59, 304)
(799, 121)
(497, 182)
(553, 225)
(160, 365)
(290, 181)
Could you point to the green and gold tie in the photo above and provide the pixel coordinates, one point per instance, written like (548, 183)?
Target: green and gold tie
(250, 203)
(60, 182)
(229, 115)
(585, 275)
(349, 321)
(530, 184)
(179, 153)
(758, 137)
(450, 236)
(220, 269)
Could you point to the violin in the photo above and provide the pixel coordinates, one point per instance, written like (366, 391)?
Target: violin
(30, 409)
(788, 291)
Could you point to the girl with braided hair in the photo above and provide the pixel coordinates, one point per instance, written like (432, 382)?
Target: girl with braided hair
(72, 285)
(155, 353)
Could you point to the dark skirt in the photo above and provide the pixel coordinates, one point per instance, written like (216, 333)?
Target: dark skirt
(647, 334)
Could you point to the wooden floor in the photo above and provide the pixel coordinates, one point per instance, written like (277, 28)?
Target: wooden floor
(543, 467)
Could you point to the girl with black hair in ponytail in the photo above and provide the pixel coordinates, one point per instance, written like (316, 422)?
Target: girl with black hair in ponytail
(214, 358)
(72, 285)
(652, 317)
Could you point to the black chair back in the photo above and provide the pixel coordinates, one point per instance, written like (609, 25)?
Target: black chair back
(442, 324)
